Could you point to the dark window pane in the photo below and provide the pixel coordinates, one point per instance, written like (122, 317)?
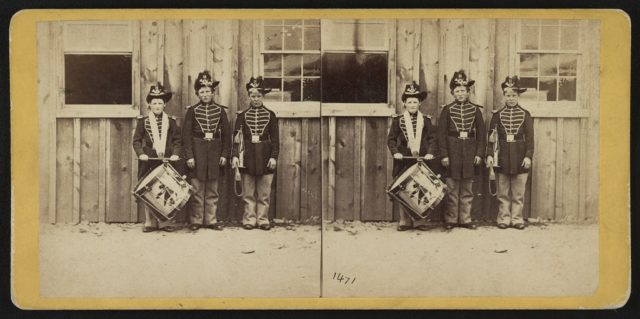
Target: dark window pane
(528, 64)
(354, 78)
(568, 64)
(311, 64)
(311, 90)
(292, 38)
(548, 64)
(532, 89)
(549, 38)
(275, 84)
(292, 64)
(97, 79)
(547, 89)
(567, 89)
(291, 90)
(273, 38)
(529, 39)
(312, 38)
(273, 65)
(569, 38)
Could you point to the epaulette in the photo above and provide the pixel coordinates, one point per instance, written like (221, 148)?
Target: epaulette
(240, 112)
(141, 116)
(497, 110)
(396, 115)
(220, 105)
(477, 105)
(192, 105)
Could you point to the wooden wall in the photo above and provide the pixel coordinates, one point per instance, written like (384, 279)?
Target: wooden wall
(88, 166)
(563, 184)
(337, 165)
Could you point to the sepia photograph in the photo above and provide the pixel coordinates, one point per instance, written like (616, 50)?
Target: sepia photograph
(320, 156)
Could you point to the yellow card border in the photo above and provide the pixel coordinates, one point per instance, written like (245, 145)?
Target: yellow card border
(614, 217)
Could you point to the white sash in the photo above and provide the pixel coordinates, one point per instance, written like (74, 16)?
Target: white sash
(414, 136)
(159, 142)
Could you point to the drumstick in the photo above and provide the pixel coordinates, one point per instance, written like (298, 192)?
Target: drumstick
(157, 159)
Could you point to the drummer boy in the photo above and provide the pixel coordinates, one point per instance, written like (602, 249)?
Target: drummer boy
(156, 136)
(411, 134)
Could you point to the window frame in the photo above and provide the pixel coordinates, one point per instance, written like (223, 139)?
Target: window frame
(553, 108)
(366, 109)
(318, 109)
(97, 110)
(285, 109)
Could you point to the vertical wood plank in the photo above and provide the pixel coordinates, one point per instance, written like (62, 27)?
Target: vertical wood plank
(559, 212)
(582, 176)
(288, 201)
(173, 67)
(314, 168)
(75, 212)
(405, 37)
(544, 169)
(388, 211)
(344, 172)
(501, 60)
(102, 170)
(375, 202)
(196, 56)
(570, 170)
(357, 167)
(107, 168)
(391, 91)
(452, 60)
(64, 171)
(119, 186)
(150, 39)
(429, 60)
(304, 165)
(245, 61)
(90, 170)
(331, 171)
(592, 171)
(56, 60)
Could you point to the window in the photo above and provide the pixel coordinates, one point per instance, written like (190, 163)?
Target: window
(548, 59)
(291, 60)
(98, 75)
(354, 61)
(342, 64)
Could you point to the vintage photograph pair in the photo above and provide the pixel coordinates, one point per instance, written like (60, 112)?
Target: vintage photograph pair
(320, 159)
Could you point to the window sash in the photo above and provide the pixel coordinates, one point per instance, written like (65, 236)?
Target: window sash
(97, 110)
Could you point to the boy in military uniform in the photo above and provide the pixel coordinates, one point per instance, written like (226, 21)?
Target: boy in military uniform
(207, 145)
(256, 130)
(462, 142)
(411, 134)
(511, 128)
(157, 135)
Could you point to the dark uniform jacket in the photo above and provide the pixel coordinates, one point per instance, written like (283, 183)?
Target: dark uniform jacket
(461, 117)
(517, 121)
(199, 120)
(398, 141)
(260, 122)
(143, 142)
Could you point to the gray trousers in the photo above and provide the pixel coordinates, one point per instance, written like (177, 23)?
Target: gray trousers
(458, 201)
(510, 195)
(256, 196)
(204, 202)
(405, 218)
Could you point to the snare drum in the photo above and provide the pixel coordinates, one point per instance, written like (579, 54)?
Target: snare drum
(419, 189)
(163, 190)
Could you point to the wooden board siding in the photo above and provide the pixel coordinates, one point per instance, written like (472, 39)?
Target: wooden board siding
(337, 167)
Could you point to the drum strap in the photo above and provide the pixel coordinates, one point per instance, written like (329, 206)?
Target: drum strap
(159, 138)
(414, 135)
